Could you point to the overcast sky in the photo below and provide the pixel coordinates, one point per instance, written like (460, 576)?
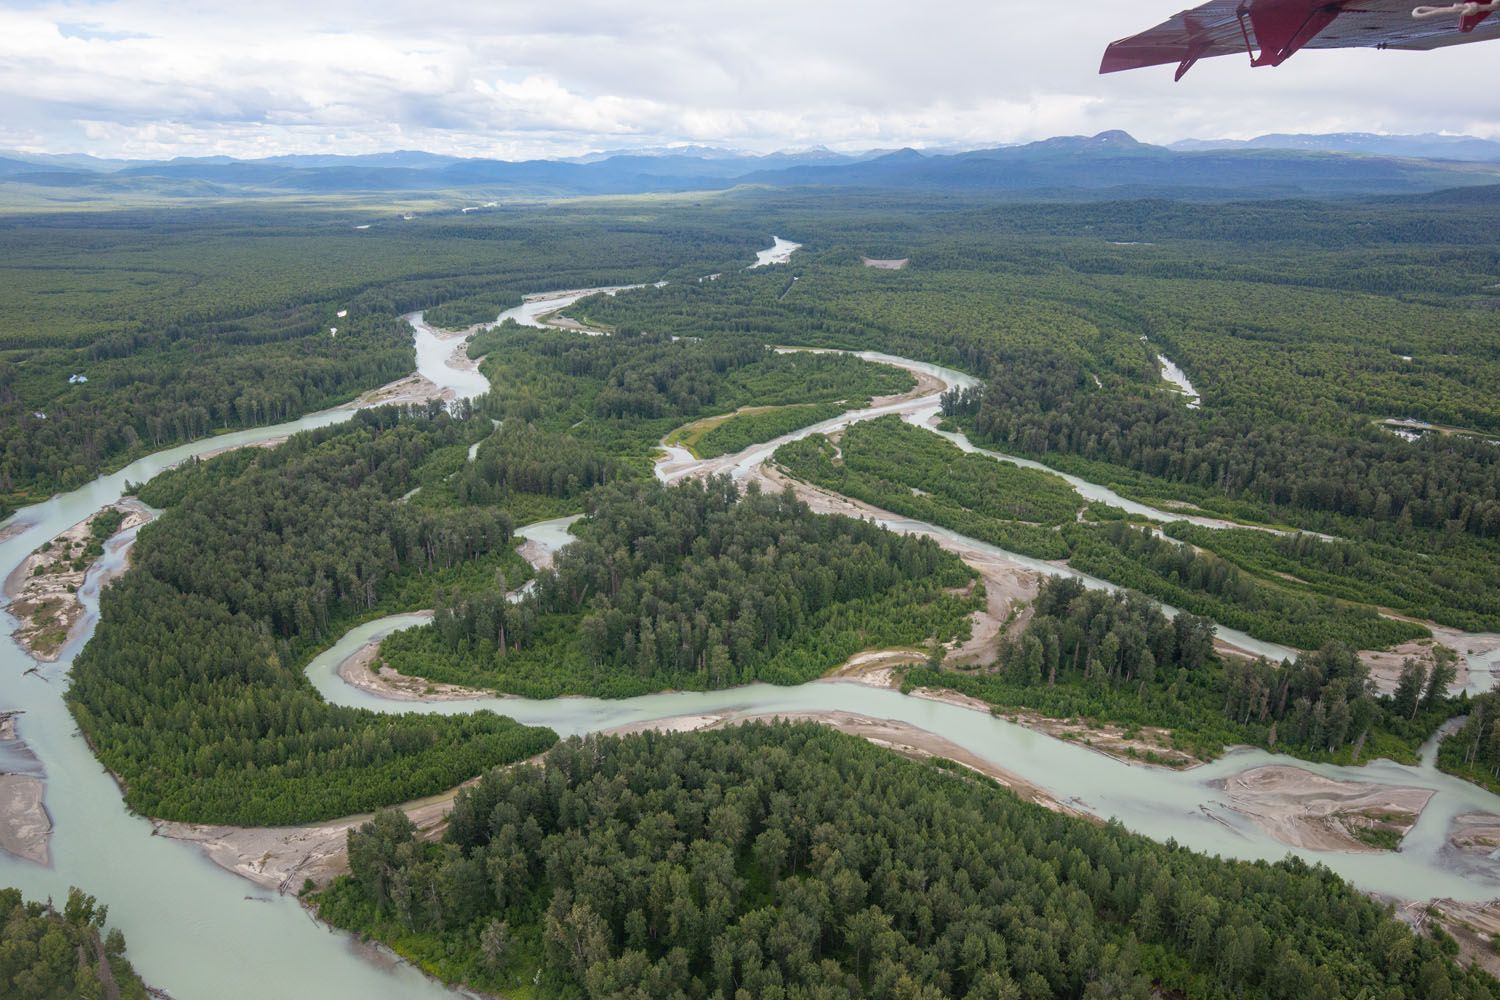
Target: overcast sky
(517, 78)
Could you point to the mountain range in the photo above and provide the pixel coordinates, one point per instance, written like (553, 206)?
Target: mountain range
(1109, 164)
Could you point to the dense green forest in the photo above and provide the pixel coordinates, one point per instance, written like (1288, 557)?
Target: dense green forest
(72, 955)
(192, 688)
(195, 320)
(1295, 331)
(624, 393)
(910, 471)
(1115, 657)
(791, 861)
(530, 473)
(694, 586)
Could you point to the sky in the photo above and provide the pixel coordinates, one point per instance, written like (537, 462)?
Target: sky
(515, 79)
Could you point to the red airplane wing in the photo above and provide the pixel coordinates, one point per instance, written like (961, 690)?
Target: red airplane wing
(1272, 30)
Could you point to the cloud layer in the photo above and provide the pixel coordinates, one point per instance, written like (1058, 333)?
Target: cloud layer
(146, 78)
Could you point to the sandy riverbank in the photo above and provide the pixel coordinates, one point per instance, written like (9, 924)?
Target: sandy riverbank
(25, 826)
(412, 389)
(880, 668)
(280, 858)
(267, 443)
(539, 555)
(365, 670)
(43, 589)
(1303, 809)
(1146, 746)
(910, 741)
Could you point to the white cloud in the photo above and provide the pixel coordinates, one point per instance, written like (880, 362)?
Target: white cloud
(151, 78)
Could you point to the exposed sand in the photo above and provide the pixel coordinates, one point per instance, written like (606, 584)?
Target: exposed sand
(45, 604)
(281, 857)
(412, 388)
(1385, 664)
(12, 530)
(910, 741)
(1007, 585)
(25, 827)
(557, 321)
(268, 443)
(1149, 746)
(927, 385)
(538, 555)
(948, 696)
(876, 667)
(356, 671)
(1476, 833)
(1303, 809)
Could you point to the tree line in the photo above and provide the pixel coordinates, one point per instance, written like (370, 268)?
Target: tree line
(786, 860)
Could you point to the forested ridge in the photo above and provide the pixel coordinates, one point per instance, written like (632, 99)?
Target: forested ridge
(191, 690)
(694, 586)
(789, 861)
(72, 955)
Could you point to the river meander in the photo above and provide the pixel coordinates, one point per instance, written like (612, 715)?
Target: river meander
(200, 932)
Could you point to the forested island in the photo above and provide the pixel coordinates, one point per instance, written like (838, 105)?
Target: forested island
(695, 586)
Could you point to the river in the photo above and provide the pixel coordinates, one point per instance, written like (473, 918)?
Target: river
(199, 932)
(193, 929)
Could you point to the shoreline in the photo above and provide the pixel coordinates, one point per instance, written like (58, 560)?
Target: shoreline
(25, 824)
(49, 615)
(279, 858)
(919, 744)
(359, 671)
